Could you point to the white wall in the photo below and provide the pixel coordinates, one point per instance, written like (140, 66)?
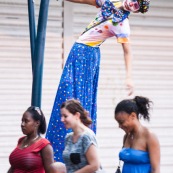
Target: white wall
(152, 45)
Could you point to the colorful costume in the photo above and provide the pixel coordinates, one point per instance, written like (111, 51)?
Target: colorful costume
(28, 159)
(79, 79)
(135, 161)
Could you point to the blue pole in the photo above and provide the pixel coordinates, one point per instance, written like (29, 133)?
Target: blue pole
(32, 29)
(39, 54)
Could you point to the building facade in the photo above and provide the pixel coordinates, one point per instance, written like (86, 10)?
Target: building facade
(152, 46)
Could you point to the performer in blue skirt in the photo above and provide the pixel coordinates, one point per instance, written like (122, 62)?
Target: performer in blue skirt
(79, 79)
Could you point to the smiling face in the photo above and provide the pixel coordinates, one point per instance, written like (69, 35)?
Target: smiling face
(68, 118)
(28, 124)
(125, 121)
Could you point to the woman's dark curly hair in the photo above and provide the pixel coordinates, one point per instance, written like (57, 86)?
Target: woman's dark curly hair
(139, 105)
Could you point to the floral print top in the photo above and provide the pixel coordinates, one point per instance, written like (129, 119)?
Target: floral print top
(109, 22)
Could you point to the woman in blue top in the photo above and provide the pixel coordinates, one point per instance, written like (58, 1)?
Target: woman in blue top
(141, 149)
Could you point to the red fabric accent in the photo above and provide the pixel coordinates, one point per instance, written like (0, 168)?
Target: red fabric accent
(28, 159)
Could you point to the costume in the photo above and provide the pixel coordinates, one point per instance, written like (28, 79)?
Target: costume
(135, 161)
(74, 153)
(28, 159)
(80, 75)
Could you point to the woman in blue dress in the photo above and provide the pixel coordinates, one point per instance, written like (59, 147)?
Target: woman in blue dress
(141, 149)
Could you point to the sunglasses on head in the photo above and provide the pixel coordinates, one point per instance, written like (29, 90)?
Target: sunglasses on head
(37, 109)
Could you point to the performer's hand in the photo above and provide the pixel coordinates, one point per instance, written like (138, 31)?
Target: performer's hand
(129, 86)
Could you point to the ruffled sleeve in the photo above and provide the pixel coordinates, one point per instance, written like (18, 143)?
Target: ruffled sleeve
(20, 140)
(88, 140)
(40, 144)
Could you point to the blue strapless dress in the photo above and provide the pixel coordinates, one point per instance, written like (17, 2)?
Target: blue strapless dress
(135, 161)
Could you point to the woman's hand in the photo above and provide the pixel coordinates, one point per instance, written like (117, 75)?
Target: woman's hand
(129, 86)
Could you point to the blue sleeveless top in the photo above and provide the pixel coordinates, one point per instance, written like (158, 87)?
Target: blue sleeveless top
(135, 161)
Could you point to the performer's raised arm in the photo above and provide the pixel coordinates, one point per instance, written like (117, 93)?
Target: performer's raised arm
(89, 2)
(128, 66)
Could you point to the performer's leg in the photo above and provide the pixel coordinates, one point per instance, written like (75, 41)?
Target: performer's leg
(79, 81)
(86, 80)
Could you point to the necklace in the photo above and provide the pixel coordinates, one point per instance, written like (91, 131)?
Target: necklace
(29, 143)
(131, 140)
(134, 136)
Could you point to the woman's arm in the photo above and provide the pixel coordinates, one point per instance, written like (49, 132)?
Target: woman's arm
(128, 65)
(154, 153)
(93, 161)
(47, 157)
(57, 167)
(89, 2)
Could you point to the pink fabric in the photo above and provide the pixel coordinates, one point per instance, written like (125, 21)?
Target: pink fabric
(28, 159)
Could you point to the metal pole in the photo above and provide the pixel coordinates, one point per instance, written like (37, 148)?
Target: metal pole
(32, 29)
(39, 54)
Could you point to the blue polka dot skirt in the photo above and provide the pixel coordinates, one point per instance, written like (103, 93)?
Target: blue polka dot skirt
(79, 80)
